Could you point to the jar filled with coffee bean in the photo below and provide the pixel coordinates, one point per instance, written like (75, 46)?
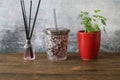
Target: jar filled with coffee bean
(56, 43)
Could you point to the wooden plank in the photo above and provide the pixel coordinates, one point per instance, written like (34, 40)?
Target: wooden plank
(13, 67)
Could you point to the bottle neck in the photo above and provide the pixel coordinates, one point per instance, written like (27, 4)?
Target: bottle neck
(28, 41)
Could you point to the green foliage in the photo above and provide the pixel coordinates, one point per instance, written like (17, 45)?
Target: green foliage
(92, 22)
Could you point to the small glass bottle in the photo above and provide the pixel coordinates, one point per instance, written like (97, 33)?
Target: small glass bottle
(29, 53)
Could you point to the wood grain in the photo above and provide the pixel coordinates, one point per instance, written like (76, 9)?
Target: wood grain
(13, 67)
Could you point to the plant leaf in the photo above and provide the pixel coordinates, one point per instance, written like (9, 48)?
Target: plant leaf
(96, 26)
(96, 11)
(81, 15)
(103, 22)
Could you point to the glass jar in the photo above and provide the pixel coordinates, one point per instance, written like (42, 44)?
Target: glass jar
(29, 53)
(56, 43)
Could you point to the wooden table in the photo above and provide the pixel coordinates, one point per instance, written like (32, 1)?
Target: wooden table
(13, 67)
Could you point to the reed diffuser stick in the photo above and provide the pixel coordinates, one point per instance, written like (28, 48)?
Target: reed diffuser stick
(35, 19)
(30, 48)
(30, 17)
(24, 19)
(55, 18)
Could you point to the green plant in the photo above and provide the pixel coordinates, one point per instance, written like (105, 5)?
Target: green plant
(92, 22)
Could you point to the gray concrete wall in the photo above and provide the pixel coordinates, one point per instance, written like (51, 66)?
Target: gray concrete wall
(12, 36)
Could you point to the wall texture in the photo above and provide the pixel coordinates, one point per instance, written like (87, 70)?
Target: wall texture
(12, 35)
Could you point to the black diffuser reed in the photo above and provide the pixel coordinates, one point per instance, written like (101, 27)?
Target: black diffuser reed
(28, 28)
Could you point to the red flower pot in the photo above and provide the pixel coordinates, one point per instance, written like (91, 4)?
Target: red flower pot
(89, 44)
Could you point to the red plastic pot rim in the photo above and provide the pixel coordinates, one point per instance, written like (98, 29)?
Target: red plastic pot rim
(83, 32)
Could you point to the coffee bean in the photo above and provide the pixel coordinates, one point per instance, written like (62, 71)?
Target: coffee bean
(57, 45)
